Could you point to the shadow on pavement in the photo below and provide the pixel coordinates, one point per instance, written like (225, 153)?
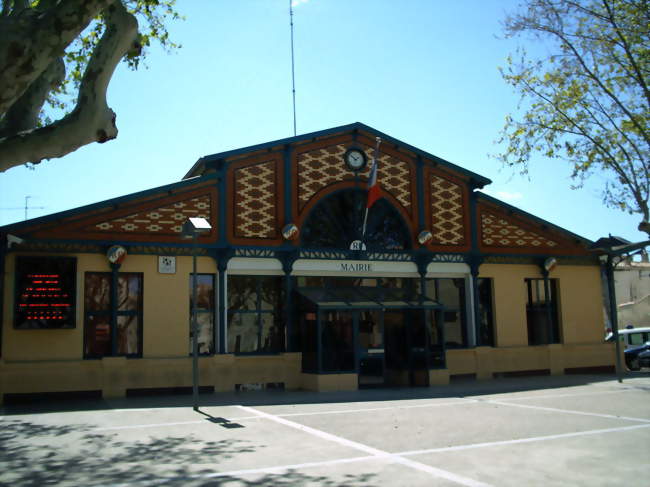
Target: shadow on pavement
(86, 457)
(463, 388)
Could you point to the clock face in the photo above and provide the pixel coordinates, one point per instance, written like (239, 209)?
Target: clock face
(355, 159)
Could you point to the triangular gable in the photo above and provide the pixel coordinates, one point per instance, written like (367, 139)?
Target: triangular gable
(505, 229)
(152, 216)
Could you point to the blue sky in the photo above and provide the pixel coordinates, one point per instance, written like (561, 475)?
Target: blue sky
(422, 71)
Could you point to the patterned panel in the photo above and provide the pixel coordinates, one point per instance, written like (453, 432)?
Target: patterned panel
(322, 167)
(394, 176)
(498, 232)
(447, 212)
(166, 220)
(255, 201)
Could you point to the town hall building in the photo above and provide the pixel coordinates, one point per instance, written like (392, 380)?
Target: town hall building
(301, 283)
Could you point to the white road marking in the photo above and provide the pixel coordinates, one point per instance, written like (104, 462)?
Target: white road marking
(395, 456)
(566, 411)
(524, 440)
(457, 401)
(370, 450)
(364, 410)
(575, 394)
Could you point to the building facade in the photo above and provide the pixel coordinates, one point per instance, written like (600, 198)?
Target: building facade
(297, 284)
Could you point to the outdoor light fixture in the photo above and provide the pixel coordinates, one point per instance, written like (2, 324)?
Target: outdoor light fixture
(191, 229)
(424, 237)
(290, 231)
(550, 264)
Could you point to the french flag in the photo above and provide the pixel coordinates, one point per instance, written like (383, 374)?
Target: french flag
(373, 187)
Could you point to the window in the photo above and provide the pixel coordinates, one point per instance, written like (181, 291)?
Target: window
(45, 292)
(112, 327)
(485, 324)
(204, 312)
(255, 321)
(337, 221)
(542, 312)
(451, 294)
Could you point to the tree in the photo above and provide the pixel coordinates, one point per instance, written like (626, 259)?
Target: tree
(588, 101)
(49, 48)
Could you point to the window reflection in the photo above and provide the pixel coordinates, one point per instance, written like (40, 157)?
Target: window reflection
(205, 312)
(99, 310)
(255, 319)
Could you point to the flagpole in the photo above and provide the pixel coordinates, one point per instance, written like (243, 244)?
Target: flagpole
(374, 163)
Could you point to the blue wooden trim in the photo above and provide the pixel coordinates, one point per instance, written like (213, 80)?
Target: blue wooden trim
(221, 322)
(111, 202)
(420, 192)
(319, 341)
(223, 204)
(479, 180)
(537, 219)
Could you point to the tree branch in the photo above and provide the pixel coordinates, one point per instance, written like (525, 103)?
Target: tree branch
(31, 41)
(91, 120)
(23, 115)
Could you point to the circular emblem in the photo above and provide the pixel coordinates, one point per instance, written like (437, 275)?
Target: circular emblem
(357, 245)
(116, 254)
(290, 231)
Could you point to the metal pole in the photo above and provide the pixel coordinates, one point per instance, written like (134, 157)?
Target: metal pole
(195, 331)
(293, 75)
(613, 315)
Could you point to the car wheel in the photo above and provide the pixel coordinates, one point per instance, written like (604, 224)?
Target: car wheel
(634, 364)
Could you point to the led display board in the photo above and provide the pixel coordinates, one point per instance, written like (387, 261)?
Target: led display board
(45, 292)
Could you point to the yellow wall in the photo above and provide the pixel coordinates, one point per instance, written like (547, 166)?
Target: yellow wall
(580, 302)
(165, 318)
(52, 360)
(509, 301)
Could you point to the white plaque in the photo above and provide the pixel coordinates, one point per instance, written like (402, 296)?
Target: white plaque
(166, 264)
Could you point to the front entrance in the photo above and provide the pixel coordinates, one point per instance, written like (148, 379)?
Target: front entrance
(385, 342)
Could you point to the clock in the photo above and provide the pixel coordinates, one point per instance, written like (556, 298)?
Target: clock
(355, 159)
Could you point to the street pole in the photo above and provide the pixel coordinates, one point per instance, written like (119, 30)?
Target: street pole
(195, 331)
(613, 314)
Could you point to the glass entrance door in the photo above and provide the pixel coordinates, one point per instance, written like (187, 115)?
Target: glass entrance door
(371, 348)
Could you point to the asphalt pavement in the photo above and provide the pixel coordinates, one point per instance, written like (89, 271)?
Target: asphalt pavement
(565, 430)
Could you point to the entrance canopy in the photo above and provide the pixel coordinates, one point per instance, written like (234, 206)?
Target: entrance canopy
(364, 297)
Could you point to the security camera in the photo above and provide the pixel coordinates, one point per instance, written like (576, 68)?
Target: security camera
(12, 239)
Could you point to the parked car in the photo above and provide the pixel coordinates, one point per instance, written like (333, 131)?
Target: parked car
(632, 356)
(631, 337)
(643, 360)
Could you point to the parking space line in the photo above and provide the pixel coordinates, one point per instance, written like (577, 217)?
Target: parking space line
(396, 456)
(387, 408)
(524, 440)
(566, 411)
(576, 394)
(370, 450)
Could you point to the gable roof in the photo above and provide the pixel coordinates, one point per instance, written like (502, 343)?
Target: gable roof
(105, 207)
(200, 165)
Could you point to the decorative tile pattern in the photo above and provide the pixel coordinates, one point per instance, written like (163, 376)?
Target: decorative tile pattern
(255, 193)
(499, 232)
(166, 220)
(447, 212)
(321, 167)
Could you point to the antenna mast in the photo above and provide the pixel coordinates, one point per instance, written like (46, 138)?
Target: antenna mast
(293, 76)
